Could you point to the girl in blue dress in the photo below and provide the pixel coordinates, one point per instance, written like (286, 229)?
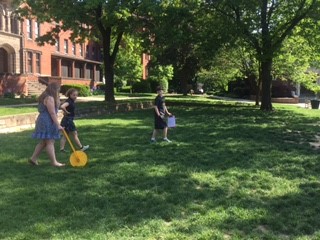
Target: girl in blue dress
(47, 128)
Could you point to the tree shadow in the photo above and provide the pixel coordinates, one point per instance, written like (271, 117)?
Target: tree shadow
(129, 181)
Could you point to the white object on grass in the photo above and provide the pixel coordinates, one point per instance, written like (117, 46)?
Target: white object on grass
(171, 122)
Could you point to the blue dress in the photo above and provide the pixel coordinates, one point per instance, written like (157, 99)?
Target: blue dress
(45, 127)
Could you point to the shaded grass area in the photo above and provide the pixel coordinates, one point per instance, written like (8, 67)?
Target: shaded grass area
(232, 172)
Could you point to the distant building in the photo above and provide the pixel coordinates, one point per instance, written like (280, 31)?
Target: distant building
(25, 65)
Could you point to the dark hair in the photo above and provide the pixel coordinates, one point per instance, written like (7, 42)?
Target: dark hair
(52, 90)
(71, 91)
(159, 88)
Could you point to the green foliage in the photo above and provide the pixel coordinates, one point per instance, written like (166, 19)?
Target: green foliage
(128, 67)
(101, 86)
(264, 25)
(126, 89)
(175, 37)
(83, 90)
(229, 63)
(160, 76)
(9, 95)
(142, 86)
(103, 21)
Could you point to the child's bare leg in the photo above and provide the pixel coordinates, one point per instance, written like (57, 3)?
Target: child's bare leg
(154, 134)
(63, 142)
(38, 149)
(76, 138)
(165, 132)
(51, 153)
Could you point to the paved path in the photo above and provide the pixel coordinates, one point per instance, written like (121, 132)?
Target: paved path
(99, 98)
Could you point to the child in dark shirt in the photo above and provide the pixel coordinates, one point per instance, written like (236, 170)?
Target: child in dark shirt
(68, 108)
(160, 110)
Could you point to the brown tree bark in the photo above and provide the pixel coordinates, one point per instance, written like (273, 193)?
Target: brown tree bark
(266, 66)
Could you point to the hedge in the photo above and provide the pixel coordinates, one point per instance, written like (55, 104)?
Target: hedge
(84, 91)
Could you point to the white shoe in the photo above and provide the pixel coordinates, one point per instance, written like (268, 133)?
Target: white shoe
(167, 140)
(84, 148)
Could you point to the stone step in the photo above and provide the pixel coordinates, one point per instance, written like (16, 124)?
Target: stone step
(35, 88)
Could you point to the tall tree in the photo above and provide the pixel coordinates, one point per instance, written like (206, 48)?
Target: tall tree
(100, 20)
(171, 36)
(264, 25)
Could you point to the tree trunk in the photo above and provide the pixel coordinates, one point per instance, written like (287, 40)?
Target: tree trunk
(266, 79)
(182, 81)
(258, 91)
(109, 76)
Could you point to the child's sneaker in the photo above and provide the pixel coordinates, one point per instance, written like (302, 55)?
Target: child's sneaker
(167, 140)
(84, 148)
(153, 140)
(63, 150)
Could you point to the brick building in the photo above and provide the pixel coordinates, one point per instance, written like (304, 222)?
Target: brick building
(25, 67)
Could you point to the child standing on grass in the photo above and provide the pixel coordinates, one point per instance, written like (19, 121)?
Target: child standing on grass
(47, 125)
(68, 108)
(160, 111)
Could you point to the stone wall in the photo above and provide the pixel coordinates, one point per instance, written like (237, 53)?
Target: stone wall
(16, 123)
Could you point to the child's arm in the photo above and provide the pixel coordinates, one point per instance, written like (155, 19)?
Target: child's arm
(64, 107)
(157, 110)
(166, 110)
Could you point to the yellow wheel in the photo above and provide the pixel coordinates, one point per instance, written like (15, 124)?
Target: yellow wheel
(78, 159)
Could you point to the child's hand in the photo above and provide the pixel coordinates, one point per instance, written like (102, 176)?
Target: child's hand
(65, 113)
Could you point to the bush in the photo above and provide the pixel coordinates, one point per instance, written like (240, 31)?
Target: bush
(141, 87)
(101, 86)
(9, 95)
(126, 89)
(97, 92)
(84, 91)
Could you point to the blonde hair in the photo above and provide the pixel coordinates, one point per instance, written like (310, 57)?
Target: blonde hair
(52, 90)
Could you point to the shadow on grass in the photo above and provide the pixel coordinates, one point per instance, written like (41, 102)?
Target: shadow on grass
(255, 170)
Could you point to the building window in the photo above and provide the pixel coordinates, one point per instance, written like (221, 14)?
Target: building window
(81, 50)
(29, 62)
(37, 62)
(73, 48)
(93, 51)
(36, 29)
(29, 28)
(79, 71)
(14, 24)
(57, 44)
(87, 51)
(65, 46)
(66, 68)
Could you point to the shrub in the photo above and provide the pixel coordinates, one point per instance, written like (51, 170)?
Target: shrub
(83, 90)
(126, 89)
(97, 92)
(160, 76)
(141, 87)
(101, 86)
(9, 95)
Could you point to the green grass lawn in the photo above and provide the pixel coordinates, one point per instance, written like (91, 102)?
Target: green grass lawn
(231, 172)
(16, 101)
